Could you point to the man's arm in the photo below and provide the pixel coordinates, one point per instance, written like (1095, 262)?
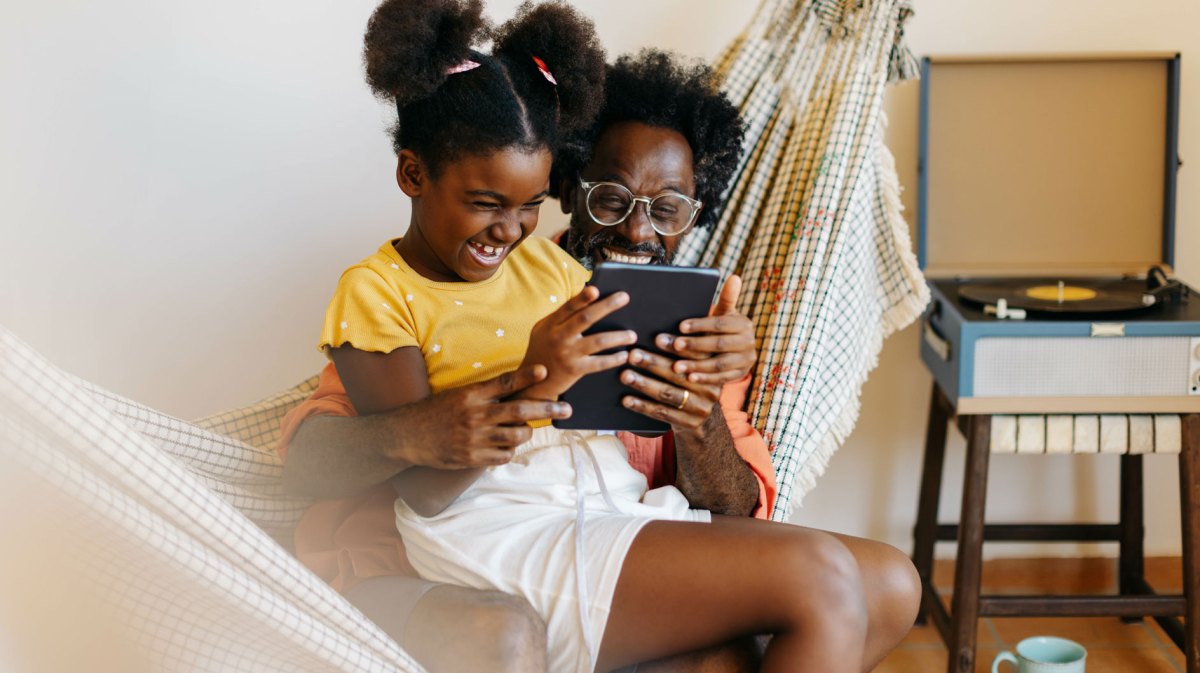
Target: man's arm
(709, 470)
(337, 456)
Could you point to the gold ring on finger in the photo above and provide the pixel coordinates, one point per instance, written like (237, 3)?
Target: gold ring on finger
(686, 395)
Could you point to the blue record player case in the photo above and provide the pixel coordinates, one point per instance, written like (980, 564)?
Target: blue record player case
(1051, 172)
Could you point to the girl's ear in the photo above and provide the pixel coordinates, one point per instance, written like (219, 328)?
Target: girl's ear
(410, 173)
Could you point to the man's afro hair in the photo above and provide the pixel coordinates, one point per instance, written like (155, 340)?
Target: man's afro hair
(658, 89)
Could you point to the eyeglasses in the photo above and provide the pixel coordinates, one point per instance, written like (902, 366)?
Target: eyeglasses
(610, 204)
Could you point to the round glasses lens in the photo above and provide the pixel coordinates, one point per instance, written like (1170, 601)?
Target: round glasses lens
(609, 203)
(671, 213)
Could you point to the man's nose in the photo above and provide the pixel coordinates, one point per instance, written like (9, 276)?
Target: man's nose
(637, 227)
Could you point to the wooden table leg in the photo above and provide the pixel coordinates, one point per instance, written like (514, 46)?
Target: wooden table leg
(1131, 560)
(968, 565)
(1189, 495)
(925, 531)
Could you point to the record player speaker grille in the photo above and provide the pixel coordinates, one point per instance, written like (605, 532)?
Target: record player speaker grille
(1082, 366)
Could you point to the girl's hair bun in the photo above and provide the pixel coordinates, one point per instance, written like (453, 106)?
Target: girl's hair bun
(410, 44)
(567, 43)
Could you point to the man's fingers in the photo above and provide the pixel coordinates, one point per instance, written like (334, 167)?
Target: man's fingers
(662, 367)
(508, 436)
(727, 300)
(510, 382)
(740, 361)
(486, 457)
(717, 378)
(694, 399)
(678, 418)
(523, 411)
(728, 323)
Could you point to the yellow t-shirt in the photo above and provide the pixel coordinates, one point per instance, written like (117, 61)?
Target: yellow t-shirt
(467, 332)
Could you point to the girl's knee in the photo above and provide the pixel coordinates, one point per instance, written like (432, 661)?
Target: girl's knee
(891, 582)
(901, 584)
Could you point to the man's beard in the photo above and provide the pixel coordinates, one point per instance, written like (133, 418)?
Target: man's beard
(587, 249)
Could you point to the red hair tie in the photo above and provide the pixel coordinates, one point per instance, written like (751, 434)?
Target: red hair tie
(541, 65)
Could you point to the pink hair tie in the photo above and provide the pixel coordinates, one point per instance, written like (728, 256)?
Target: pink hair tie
(462, 67)
(541, 65)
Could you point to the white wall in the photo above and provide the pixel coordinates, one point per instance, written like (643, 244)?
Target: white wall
(181, 183)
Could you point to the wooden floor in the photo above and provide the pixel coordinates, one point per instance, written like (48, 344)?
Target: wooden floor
(1112, 645)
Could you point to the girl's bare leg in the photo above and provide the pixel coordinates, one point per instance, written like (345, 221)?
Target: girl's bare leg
(685, 586)
(893, 591)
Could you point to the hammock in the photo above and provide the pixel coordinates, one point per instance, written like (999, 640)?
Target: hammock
(135, 541)
(812, 220)
(164, 530)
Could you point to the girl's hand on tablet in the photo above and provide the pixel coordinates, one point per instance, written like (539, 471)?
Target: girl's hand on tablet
(557, 342)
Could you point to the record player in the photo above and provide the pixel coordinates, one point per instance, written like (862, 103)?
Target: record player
(1046, 232)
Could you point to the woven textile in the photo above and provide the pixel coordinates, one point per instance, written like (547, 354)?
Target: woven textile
(139, 514)
(812, 220)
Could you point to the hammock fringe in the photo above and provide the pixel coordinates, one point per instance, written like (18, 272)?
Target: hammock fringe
(897, 317)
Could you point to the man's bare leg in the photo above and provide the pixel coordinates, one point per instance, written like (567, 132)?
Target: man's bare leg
(450, 629)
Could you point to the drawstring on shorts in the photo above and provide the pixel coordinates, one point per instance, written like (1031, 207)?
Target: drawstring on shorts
(579, 445)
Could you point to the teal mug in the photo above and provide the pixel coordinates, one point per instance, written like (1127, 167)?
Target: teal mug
(1044, 654)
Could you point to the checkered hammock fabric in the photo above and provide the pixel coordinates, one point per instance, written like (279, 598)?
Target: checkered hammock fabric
(165, 529)
(812, 221)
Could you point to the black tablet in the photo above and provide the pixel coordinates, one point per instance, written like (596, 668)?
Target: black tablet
(660, 297)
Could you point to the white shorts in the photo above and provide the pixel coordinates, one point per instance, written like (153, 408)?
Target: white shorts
(515, 530)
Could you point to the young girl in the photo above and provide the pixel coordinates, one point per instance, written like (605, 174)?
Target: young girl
(618, 574)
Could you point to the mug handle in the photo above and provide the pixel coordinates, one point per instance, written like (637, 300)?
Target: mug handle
(1002, 657)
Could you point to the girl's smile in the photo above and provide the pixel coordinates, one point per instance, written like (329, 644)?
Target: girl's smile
(487, 254)
(467, 218)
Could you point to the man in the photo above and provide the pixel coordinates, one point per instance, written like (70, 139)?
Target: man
(664, 131)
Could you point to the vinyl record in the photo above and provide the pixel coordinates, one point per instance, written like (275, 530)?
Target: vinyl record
(1054, 296)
